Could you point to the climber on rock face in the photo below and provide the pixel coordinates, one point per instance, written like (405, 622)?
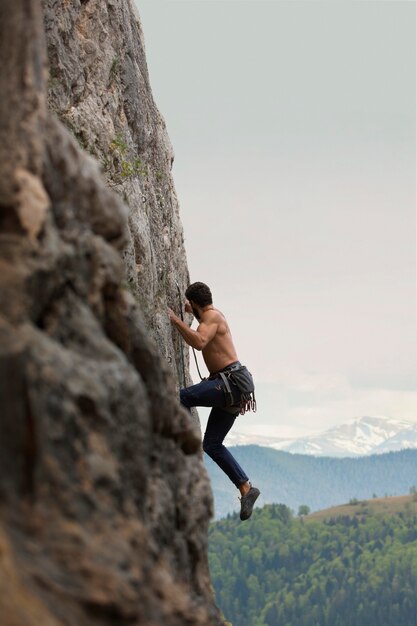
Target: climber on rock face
(229, 389)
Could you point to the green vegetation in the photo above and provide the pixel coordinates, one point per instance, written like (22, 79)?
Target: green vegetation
(303, 509)
(115, 67)
(124, 166)
(118, 144)
(356, 566)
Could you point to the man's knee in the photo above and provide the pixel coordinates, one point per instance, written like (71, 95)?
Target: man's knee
(212, 448)
(185, 398)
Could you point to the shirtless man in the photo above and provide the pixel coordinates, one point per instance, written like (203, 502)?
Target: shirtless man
(219, 391)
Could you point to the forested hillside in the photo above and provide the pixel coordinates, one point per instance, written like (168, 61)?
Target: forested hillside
(296, 479)
(356, 569)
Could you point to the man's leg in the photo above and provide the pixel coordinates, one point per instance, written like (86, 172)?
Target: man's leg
(211, 393)
(218, 425)
(205, 393)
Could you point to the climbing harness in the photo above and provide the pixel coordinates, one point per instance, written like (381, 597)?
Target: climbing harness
(241, 377)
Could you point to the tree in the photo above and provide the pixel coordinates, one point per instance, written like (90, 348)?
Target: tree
(303, 509)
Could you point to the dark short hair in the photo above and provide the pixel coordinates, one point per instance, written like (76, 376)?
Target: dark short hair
(200, 294)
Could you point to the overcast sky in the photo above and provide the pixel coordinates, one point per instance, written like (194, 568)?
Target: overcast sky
(293, 125)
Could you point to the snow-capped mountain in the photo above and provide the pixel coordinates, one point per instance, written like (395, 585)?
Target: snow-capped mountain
(241, 439)
(362, 436)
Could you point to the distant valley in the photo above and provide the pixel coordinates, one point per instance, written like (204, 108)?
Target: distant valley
(318, 482)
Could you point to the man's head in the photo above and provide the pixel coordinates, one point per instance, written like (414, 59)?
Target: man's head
(200, 294)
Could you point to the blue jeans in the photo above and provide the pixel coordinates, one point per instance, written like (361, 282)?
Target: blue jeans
(211, 393)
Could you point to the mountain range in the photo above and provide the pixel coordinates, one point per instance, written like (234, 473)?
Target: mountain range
(359, 437)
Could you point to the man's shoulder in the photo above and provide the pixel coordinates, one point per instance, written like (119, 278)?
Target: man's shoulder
(213, 316)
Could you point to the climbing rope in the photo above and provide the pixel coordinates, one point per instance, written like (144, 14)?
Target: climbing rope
(182, 351)
(181, 346)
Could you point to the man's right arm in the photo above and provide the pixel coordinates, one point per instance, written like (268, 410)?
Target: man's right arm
(199, 338)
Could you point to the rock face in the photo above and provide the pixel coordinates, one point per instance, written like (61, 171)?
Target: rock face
(104, 500)
(99, 87)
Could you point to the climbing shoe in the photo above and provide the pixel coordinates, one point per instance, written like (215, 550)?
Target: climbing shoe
(247, 502)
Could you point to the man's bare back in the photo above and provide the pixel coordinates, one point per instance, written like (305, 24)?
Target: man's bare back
(219, 351)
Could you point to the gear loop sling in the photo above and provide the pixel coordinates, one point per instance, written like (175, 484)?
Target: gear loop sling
(240, 376)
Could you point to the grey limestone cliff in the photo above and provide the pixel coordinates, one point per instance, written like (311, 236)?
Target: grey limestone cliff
(104, 501)
(99, 87)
